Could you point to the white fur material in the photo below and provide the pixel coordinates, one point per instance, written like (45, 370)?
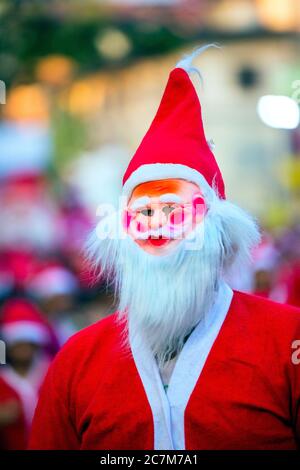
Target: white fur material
(140, 202)
(157, 398)
(186, 63)
(171, 198)
(161, 171)
(165, 232)
(24, 331)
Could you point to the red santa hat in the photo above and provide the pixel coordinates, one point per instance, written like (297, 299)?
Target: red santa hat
(22, 321)
(175, 145)
(52, 281)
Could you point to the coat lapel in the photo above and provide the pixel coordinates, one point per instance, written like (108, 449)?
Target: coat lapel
(191, 361)
(168, 408)
(149, 374)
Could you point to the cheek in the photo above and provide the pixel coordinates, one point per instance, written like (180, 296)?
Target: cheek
(134, 224)
(140, 226)
(184, 215)
(177, 217)
(127, 218)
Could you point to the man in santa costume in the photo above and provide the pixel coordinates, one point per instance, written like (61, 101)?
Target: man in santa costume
(185, 362)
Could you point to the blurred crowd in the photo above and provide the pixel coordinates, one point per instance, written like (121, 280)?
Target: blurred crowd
(47, 291)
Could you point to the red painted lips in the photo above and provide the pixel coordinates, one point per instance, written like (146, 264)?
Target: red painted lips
(158, 241)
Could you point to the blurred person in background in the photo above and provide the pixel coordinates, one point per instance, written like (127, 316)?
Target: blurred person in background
(26, 335)
(98, 307)
(55, 288)
(286, 287)
(29, 215)
(13, 429)
(265, 261)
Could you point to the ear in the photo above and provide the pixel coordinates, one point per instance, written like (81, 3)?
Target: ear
(199, 205)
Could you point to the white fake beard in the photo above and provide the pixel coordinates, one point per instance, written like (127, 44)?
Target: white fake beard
(166, 296)
(162, 298)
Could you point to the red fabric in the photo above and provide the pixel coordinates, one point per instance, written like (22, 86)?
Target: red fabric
(176, 134)
(12, 436)
(20, 264)
(247, 396)
(19, 310)
(70, 412)
(293, 285)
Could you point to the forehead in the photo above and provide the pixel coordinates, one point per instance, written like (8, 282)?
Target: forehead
(159, 187)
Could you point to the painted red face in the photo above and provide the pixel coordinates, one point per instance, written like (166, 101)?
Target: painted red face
(161, 213)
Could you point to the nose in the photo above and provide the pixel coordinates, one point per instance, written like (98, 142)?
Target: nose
(157, 220)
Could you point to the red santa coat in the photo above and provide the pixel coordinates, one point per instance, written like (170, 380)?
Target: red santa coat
(244, 395)
(13, 436)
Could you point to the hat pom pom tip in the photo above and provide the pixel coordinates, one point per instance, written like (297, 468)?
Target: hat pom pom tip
(186, 63)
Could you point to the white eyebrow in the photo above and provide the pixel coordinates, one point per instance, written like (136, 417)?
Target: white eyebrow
(170, 197)
(140, 202)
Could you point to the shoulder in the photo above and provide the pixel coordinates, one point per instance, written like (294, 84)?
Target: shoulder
(77, 368)
(269, 306)
(89, 337)
(282, 317)
(90, 334)
(87, 345)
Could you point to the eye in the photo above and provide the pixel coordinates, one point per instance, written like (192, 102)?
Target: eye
(168, 209)
(147, 212)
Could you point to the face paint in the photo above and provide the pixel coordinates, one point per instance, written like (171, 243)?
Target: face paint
(158, 188)
(199, 206)
(177, 217)
(174, 208)
(127, 219)
(158, 241)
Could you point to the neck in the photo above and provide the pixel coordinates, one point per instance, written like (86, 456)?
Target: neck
(176, 352)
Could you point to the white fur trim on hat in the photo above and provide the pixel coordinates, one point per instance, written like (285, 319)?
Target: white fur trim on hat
(26, 331)
(53, 281)
(161, 171)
